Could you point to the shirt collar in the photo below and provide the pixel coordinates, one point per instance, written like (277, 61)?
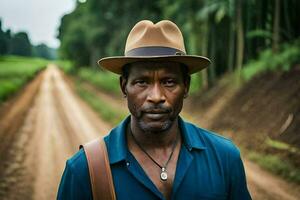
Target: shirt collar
(191, 138)
(117, 143)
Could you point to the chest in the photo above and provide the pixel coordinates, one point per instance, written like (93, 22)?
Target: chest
(152, 166)
(192, 176)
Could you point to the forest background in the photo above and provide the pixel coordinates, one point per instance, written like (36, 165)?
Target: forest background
(229, 32)
(254, 47)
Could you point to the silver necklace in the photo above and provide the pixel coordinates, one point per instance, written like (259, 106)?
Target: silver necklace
(163, 173)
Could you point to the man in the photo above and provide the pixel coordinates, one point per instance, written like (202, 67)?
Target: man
(154, 153)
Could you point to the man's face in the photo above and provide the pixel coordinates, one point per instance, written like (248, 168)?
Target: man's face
(155, 93)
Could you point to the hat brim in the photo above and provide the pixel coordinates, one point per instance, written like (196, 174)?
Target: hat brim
(115, 64)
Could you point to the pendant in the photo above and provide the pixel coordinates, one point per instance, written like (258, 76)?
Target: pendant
(163, 174)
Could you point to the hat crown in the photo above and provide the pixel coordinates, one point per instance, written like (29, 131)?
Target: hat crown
(162, 34)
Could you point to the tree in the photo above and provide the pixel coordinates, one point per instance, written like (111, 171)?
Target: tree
(4, 41)
(20, 44)
(43, 51)
(229, 32)
(240, 37)
(276, 28)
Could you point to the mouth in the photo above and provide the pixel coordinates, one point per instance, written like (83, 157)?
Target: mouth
(155, 114)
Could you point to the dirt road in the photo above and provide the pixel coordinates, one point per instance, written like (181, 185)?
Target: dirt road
(54, 126)
(33, 156)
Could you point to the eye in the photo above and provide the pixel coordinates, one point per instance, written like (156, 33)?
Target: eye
(169, 82)
(141, 83)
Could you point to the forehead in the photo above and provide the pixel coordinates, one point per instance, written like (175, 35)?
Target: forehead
(144, 68)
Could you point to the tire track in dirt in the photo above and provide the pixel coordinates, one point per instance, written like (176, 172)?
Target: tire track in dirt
(13, 137)
(66, 125)
(52, 130)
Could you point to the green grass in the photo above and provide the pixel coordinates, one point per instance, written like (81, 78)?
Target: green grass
(281, 146)
(104, 109)
(106, 81)
(276, 165)
(284, 59)
(15, 72)
(195, 84)
(65, 65)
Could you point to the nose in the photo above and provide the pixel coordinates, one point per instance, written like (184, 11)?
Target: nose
(156, 94)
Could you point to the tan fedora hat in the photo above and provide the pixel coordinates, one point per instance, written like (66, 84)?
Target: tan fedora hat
(162, 41)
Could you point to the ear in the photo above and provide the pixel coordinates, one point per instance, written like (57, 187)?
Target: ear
(187, 86)
(123, 83)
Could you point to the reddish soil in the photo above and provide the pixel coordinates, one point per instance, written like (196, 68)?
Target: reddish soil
(266, 107)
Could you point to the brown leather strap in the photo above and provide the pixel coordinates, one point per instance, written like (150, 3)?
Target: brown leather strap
(99, 169)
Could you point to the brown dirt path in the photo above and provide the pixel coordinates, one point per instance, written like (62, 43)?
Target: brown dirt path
(54, 126)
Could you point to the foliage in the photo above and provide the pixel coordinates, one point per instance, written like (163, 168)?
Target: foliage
(19, 44)
(276, 165)
(4, 40)
(43, 51)
(9, 87)
(276, 144)
(259, 33)
(195, 84)
(92, 30)
(229, 32)
(16, 72)
(65, 65)
(270, 61)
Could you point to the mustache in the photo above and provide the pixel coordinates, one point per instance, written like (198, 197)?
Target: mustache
(156, 109)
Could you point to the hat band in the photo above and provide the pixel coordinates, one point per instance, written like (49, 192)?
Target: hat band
(154, 51)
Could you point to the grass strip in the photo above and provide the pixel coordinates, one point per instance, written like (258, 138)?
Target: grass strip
(276, 165)
(104, 109)
(15, 72)
(107, 81)
(281, 146)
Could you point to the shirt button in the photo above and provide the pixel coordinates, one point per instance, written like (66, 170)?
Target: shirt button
(127, 163)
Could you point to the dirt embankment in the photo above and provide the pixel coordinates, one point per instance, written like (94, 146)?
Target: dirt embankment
(266, 107)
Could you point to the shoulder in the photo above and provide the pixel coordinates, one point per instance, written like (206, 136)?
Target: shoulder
(77, 167)
(75, 181)
(213, 141)
(78, 161)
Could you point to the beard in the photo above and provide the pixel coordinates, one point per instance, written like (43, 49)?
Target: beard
(154, 127)
(154, 124)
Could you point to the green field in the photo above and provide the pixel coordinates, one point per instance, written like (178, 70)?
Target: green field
(15, 72)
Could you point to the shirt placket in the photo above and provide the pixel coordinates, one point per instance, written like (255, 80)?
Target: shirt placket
(137, 171)
(184, 161)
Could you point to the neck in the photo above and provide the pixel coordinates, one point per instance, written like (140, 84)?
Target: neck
(164, 139)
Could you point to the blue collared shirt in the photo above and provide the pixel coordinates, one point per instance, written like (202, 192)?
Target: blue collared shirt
(209, 167)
